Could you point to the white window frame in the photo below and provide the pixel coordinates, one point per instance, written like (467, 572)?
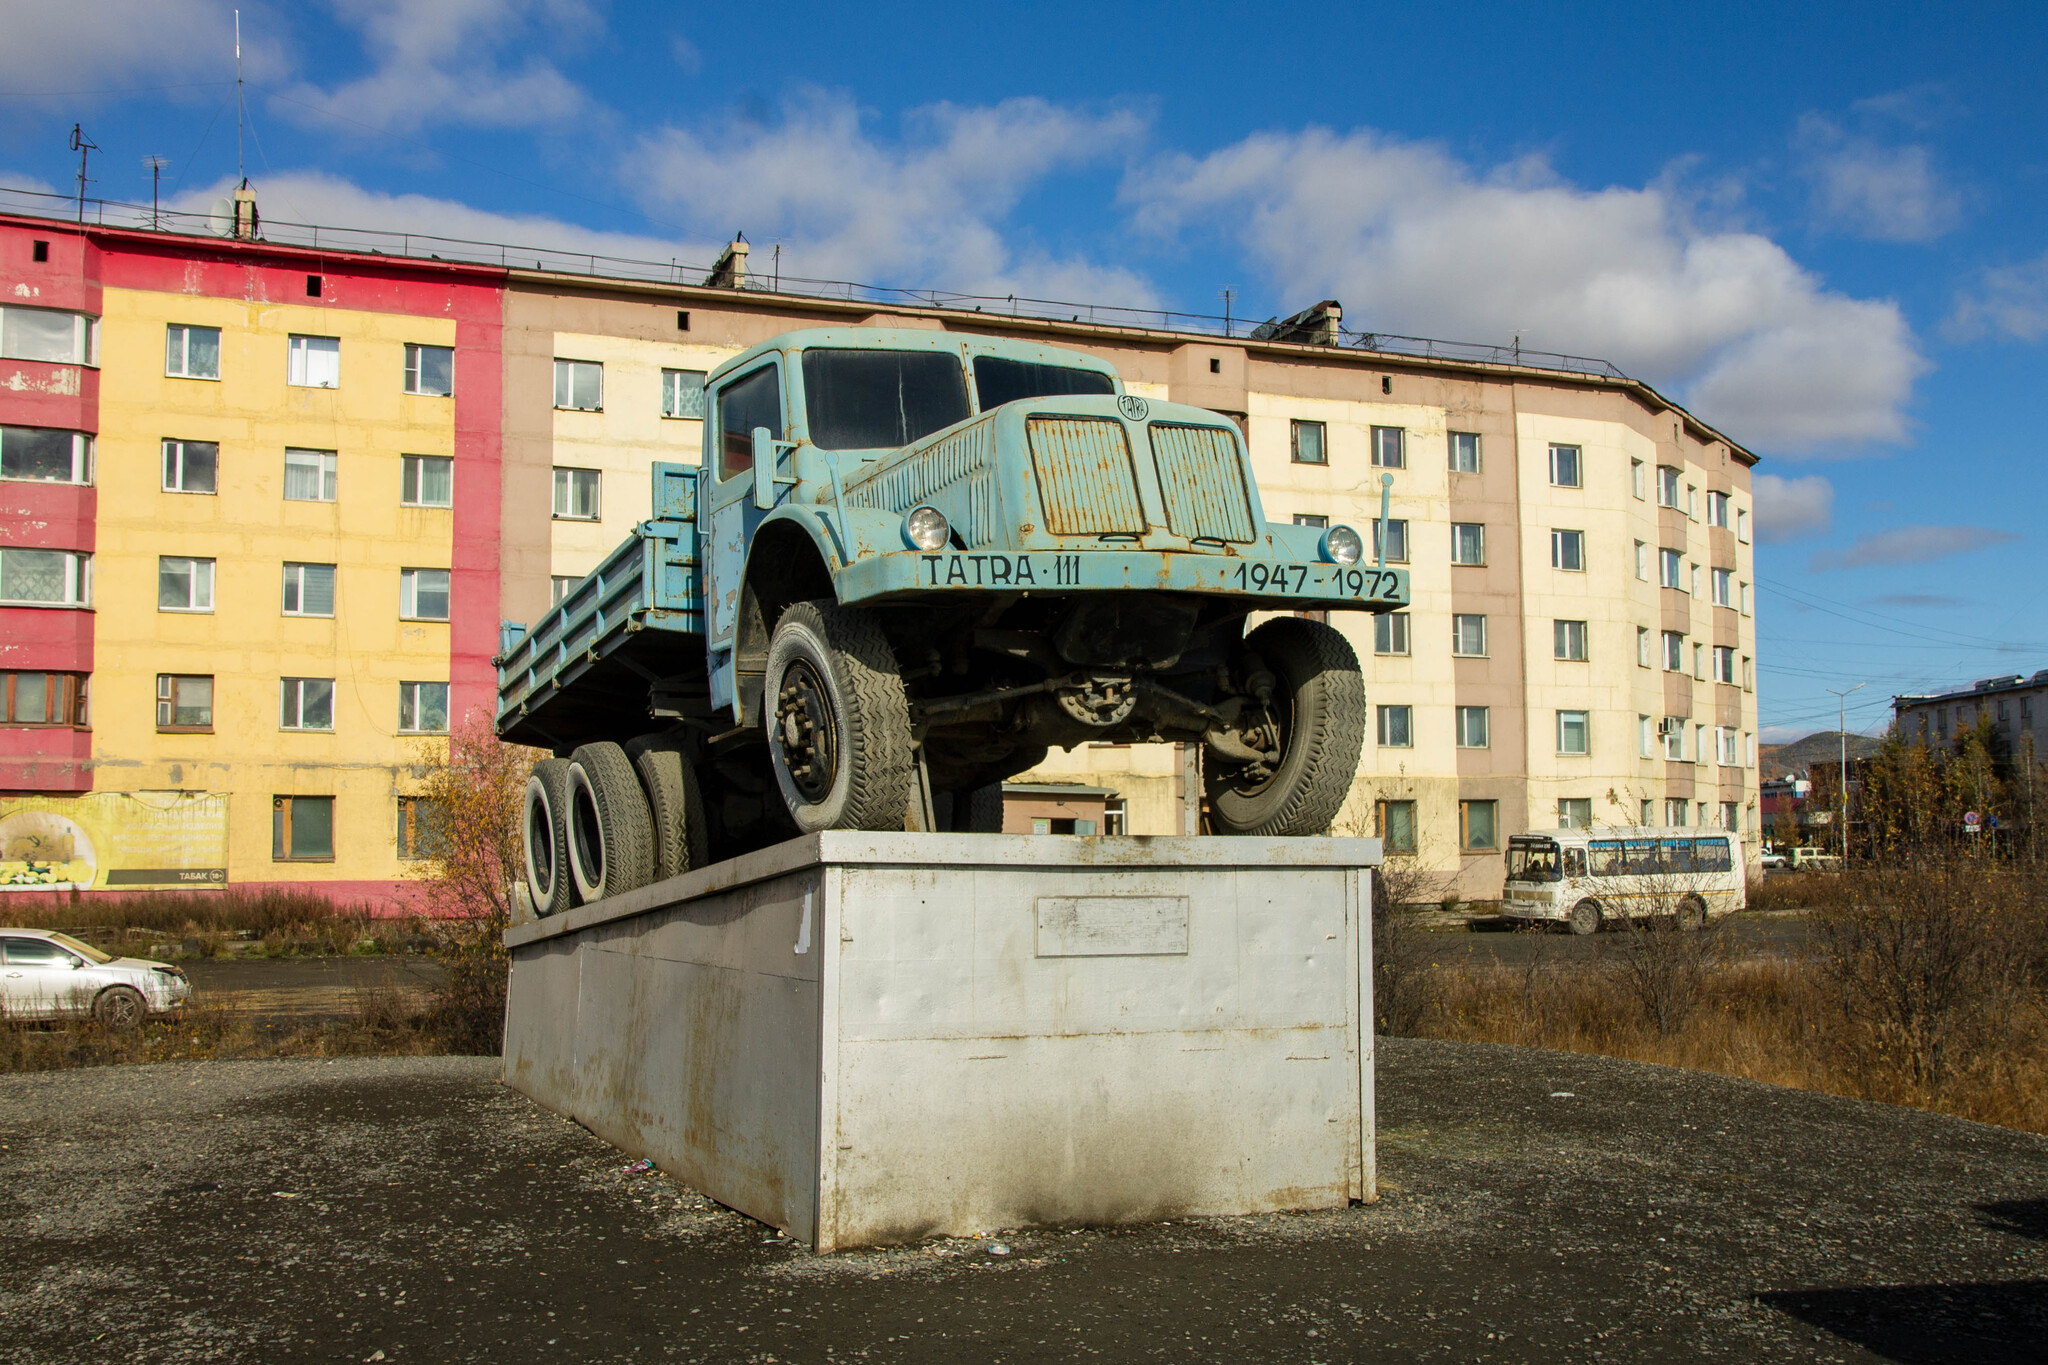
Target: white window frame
(1742, 524)
(1745, 598)
(293, 588)
(198, 574)
(415, 352)
(1395, 634)
(1725, 655)
(1458, 621)
(1642, 561)
(1585, 728)
(1576, 540)
(569, 482)
(1667, 486)
(1727, 748)
(1717, 508)
(672, 390)
(412, 471)
(1386, 719)
(327, 473)
(559, 586)
(291, 705)
(184, 331)
(1397, 542)
(81, 457)
(1577, 463)
(313, 362)
(1646, 737)
(1468, 544)
(1671, 569)
(1466, 716)
(1676, 809)
(77, 578)
(171, 443)
(1638, 484)
(1724, 587)
(410, 708)
(1699, 661)
(1674, 651)
(1646, 653)
(85, 337)
(1399, 437)
(409, 594)
(567, 375)
(1564, 634)
(1673, 728)
(1453, 439)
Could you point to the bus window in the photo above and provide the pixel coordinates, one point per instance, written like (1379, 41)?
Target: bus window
(1533, 861)
(1574, 864)
(1640, 857)
(1677, 855)
(1711, 855)
(1607, 858)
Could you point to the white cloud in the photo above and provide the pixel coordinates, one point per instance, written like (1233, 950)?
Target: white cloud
(1910, 545)
(926, 210)
(1792, 509)
(1868, 189)
(2009, 301)
(448, 62)
(1414, 240)
(331, 202)
(72, 47)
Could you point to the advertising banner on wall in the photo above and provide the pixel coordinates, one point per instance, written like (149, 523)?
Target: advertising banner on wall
(113, 841)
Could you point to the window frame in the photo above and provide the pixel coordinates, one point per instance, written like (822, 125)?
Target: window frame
(671, 391)
(1638, 482)
(65, 694)
(408, 585)
(1399, 437)
(1297, 427)
(1646, 652)
(1575, 801)
(1585, 729)
(1398, 532)
(1668, 480)
(1577, 463)
(1478, 456)
(1405, 631)
(327, 474)
(1390, 842)
(77, 578)
(83, 447)
(185, 351)
(414, 695)
(1559, 539)
(1462, 717)
(85, 337)
(1725, 654)
(1564, 634)
(1385, 724)
(1718, 509)
(299, 352)
(1466, 809)
(415, 352)
(1671, 568)
(416, 832)
(281, 808)
(167, 703)
(289, 583)
(1674, 651)
(291, 706)
(1457, 632)
(412, 470)
(1468, 536)
(566, 481)
(1723, 584)
(192, 563)
(182, 444)
(565, 393)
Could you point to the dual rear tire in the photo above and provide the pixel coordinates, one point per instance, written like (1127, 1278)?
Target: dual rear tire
(601, 823)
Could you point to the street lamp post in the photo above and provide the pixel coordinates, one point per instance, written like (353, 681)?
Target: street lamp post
(1842, 731)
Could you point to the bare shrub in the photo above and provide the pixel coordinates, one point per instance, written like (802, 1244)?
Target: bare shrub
(1400, 959)
(1663, 963)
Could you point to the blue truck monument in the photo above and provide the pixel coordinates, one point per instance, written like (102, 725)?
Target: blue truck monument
(908, 564)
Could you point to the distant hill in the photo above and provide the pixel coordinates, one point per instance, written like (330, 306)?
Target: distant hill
(1775, 760)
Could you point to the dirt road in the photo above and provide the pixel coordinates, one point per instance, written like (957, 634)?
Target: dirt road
(1537, 1207)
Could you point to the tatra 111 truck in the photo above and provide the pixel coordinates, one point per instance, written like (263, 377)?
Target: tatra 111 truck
(907, 565)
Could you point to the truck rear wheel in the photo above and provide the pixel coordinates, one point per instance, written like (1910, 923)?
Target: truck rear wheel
(611, 837)
(838, 720)
(681, 830)
(1319, 707)
(545, 817)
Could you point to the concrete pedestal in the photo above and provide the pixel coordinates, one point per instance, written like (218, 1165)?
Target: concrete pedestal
(870, 1038)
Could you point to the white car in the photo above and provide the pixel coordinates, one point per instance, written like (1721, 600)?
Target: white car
(48, 975)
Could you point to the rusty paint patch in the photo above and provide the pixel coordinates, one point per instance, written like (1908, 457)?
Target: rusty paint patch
(1202, 480)
(1086, 478)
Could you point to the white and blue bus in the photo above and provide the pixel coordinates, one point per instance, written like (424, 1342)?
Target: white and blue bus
(1587, 877)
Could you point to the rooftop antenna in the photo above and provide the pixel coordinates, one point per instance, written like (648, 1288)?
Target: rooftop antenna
(241, 113)
(155, 166)
(85, 147)
(1229, 296)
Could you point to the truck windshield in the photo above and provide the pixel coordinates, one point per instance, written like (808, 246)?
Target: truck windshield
(998, 381)
(872, 400)
(1532, 861)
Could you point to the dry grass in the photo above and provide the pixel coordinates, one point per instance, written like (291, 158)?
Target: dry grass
(1764, 1019)
(207, 923)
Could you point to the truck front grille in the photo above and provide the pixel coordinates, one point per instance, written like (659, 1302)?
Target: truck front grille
(1086, 479)
(941, 473)
(1202, 482)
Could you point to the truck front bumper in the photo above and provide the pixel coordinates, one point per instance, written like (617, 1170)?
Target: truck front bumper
(1268, 581)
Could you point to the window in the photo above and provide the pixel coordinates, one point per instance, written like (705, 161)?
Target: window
(1473, 727)
(426, 480)
(755, 401)
(872, 400)
(1644, 657)
(1395, 821)
(998, 381)
(45, 455)
(1699, 662)
(575, 494)
(1116, 815)
(1468, 636)
(1397, 540)
(1748, 749)
(1693, 570)
(184, 701)
(1742, 596)
(1731, 816)
(45, 578)
(1396, 727)
(1749, 677)
(1565, 467)
(1671, 569)
(579, 385)
(48, 335)
(422, 828)
(1468, 543)
(1568, 640)
(1692, 502)
(1699, 749)
(1674, 812)
(1308, 442)
(1717, 510)
(1321, 523)
(1667, 486)
(1724, 587)
(1476, 821)
(423, 708)
(302, 829)
(1724, 664)
(1574, 812)
(314, 362)
(1645, 737)
(1390, 633)
(1727, 747)
(305, 704)
(1464, 452)
(191, 466)
(1742, 525)
(1568, 551)
(682, 393)
(184, 584)
(1636, 481)
(1571, 732)
(1642, 561)
(1389, 448)
(423, 594)
(309, 590)
(558, 587)
(1647, 811)
(429, 370)
(1674, 652)
(309, 475)
(42, 699)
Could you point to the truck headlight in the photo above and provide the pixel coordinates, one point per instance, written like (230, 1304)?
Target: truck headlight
(927, 528)
(1342, 545)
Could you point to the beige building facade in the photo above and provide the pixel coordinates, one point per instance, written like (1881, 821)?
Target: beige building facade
(1581, 644)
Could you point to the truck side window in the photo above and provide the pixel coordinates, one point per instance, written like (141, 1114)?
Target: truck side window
(755, 401)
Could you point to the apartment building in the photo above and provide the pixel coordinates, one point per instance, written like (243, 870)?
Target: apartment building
(2015, 704)
(1580, 647)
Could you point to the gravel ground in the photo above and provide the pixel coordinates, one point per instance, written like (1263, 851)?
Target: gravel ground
(1536, 1206)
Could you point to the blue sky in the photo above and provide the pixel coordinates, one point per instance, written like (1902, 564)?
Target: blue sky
(1821, 227)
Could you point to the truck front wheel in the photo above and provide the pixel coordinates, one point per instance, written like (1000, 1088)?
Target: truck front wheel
(1318, 707)
(838, 720)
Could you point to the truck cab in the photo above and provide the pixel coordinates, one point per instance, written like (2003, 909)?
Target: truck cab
(911, 561)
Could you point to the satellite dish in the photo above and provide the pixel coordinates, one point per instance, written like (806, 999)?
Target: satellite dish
(220, 221)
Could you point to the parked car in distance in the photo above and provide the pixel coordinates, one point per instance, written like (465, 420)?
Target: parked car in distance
(49, 975)
(1798, 859)
(1773, 860)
